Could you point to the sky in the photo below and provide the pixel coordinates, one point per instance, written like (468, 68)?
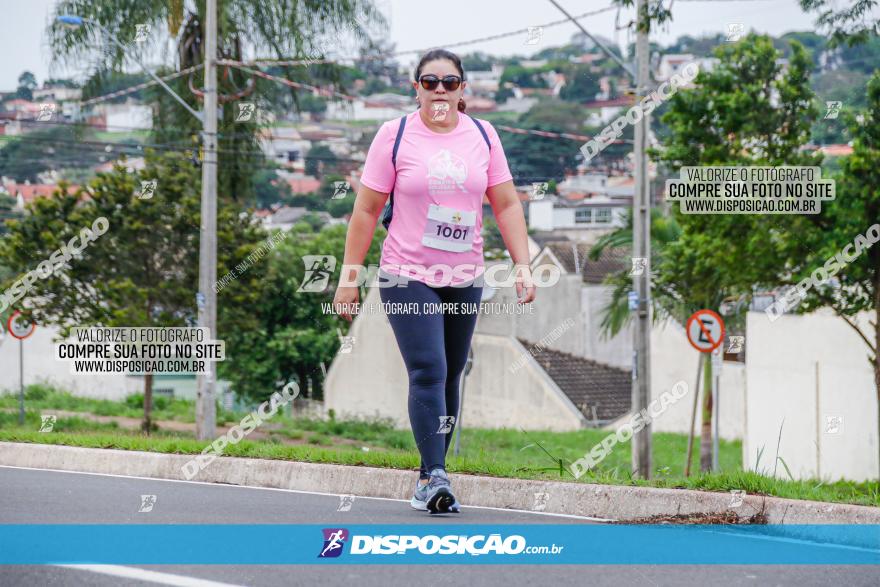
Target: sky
(413, 26)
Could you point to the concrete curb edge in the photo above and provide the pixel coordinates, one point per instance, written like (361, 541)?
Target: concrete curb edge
(608, 502)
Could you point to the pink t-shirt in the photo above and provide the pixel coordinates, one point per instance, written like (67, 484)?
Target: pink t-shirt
(438, 195)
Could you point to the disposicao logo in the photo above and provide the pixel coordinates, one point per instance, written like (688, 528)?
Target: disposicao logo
(334, 540)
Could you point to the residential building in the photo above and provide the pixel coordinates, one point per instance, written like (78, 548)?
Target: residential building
(374, 107)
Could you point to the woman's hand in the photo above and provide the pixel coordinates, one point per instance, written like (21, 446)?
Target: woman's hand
(345, 301)
(524, 282)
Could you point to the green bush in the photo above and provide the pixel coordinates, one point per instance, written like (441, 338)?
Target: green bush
(38, 392)
(135, 401)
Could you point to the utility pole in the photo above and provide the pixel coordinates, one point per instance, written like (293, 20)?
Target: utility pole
(206, 299)
(641, 383)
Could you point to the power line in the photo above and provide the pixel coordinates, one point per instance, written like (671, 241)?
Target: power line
(132, 89)
(292, 62)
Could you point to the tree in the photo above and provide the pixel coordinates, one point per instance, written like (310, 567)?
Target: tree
(851, 24)
(270, 188)
(143, 271)
(581, 84)
(61, 83)
(27, 83)
(534, 158)
(666, 304)
(291, 340)
(746, 111)
(320, 160)
(58, 146)
(283, 29)
(7, 212)
(477, 61)
(523, 77)
(493, 242)
(107, 81)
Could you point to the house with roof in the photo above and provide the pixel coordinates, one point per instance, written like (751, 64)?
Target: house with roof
(484, 83)
(578, 215)
(285, 217)
(129, 115)
(284, 145)
(26, 192)
(382, 107)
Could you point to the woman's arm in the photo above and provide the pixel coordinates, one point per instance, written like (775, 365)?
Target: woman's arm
(368, 206)
(512, 224)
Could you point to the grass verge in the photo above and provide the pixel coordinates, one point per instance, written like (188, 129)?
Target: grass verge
(498, 453)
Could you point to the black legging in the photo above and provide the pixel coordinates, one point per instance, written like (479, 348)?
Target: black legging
(434, 347)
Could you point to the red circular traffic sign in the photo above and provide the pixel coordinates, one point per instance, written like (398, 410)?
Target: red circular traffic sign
(705, 330)
(19, 328)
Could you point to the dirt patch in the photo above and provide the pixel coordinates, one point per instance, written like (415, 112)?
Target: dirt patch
(725, 518)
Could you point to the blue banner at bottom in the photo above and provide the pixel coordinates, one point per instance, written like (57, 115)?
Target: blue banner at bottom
(285, 544)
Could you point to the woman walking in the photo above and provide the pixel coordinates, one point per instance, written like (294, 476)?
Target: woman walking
(436, 163)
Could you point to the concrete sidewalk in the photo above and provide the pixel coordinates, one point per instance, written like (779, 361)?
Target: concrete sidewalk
(606, 502)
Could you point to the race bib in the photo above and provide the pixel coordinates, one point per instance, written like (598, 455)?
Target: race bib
(449, 229)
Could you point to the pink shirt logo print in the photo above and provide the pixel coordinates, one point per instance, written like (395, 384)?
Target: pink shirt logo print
(439, 181)
(446, 171)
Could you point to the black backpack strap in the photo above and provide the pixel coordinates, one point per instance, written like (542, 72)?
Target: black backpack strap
(386, 220)
(396, 147)
(482, 132)
(397, 141)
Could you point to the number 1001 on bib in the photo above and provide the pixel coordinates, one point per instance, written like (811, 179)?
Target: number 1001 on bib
(449, 229)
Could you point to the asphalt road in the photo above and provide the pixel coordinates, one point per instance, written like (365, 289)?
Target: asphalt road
(56, 497)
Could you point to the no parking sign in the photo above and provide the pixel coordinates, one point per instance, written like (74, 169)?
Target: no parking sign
(19, 326)
(705, 330)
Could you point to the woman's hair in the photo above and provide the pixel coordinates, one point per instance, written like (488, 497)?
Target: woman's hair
(443, 54)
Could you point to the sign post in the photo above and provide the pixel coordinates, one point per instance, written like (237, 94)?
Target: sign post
(20, 328)
(705, 332)
(717, 362)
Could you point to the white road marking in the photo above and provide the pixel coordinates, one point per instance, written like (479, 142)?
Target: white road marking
(463, 507)
(145, 575)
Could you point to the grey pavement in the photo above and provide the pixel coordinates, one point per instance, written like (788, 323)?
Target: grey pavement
(30, 496)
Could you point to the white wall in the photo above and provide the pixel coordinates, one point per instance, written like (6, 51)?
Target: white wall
(125, 116)
(673, 359)
(541, 214)
(40, 365)
(358, 110)
(616, 351)
(552, 309)
(804, 369)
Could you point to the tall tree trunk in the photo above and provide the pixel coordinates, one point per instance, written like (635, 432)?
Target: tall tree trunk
(147, 424)
(706, 436)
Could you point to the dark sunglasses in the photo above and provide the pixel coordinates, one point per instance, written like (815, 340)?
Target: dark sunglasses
(450, 82)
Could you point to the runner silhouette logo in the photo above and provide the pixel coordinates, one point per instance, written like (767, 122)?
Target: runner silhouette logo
(334, 541)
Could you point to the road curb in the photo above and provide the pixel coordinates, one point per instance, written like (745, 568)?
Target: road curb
(607, 502)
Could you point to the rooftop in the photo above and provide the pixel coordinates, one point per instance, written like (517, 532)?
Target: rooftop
(588, 384)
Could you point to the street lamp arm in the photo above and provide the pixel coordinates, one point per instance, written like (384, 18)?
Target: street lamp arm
(79, 20)
(598, 43)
